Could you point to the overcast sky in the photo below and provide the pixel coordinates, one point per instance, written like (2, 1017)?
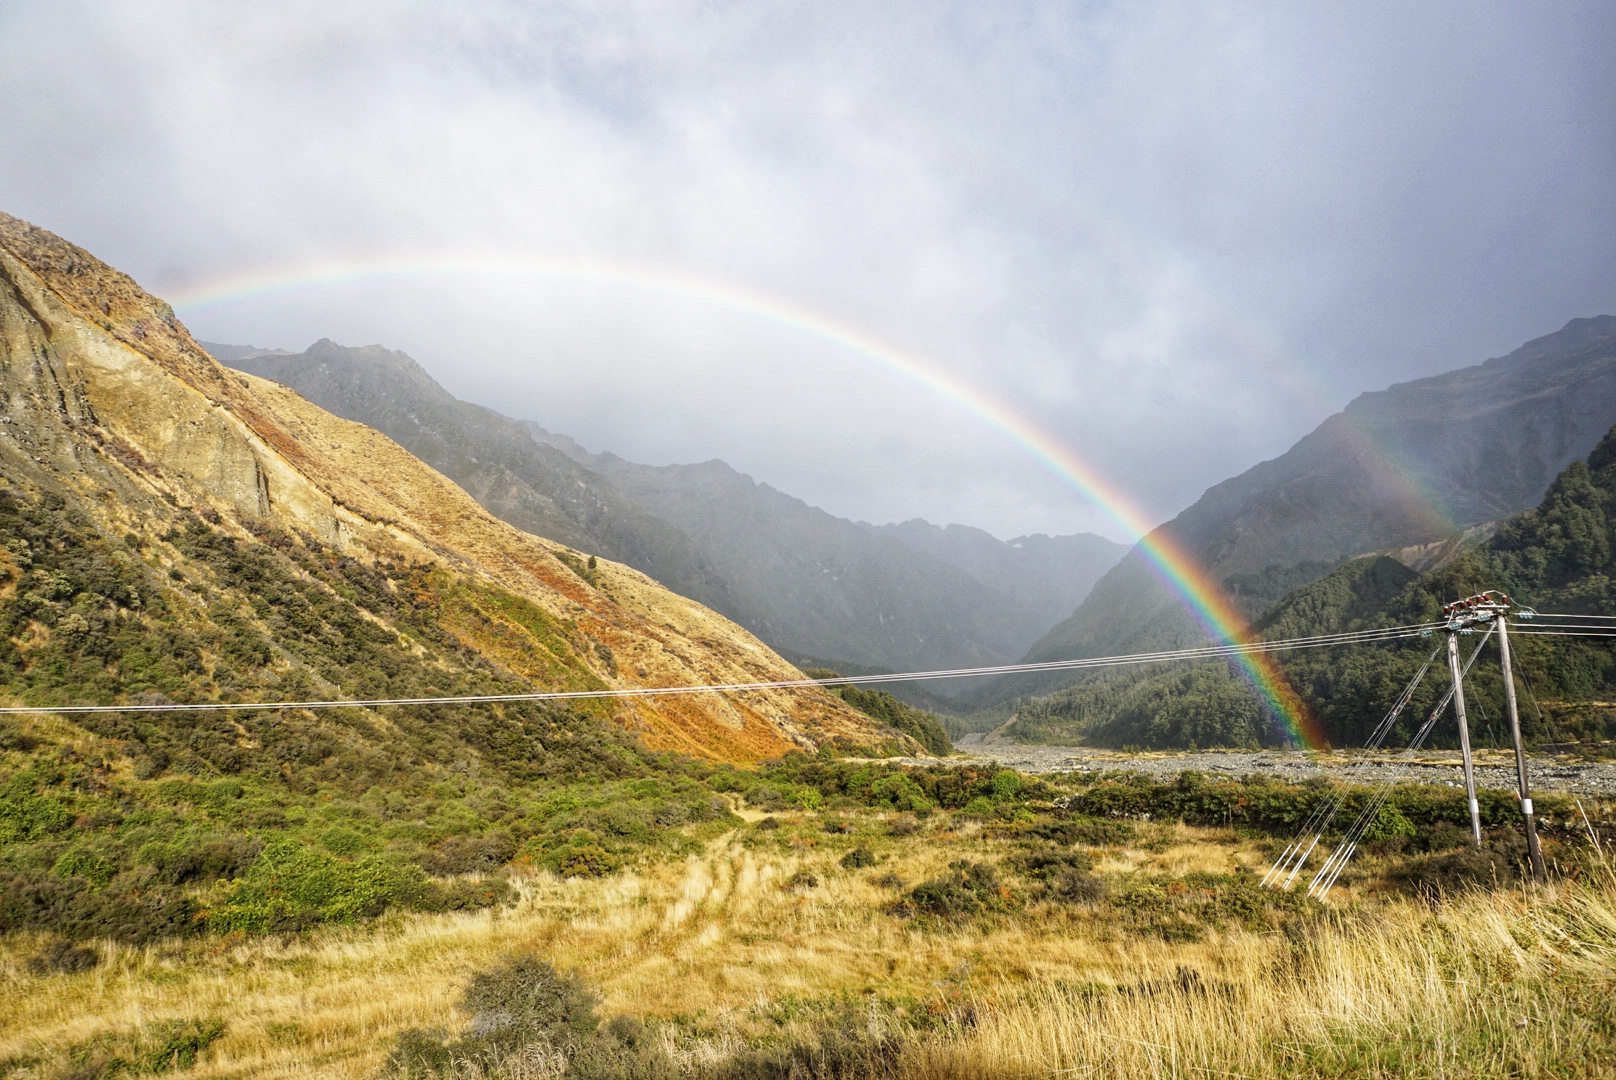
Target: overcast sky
(1171, 236)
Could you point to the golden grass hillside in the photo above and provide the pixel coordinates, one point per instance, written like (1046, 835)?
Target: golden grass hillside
(777, 949)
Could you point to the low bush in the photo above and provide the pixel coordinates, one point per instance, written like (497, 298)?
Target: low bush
(1043, 861)
(1277, 807)
(859, 858)
(469, 854)
(133, 907)
(1498, 862)
(292, 887)
(1094, 832)
(840, 1047)
(903, 826)
(201, 862)
(527, 1019)
(1063, 875)
(162, 1047)
(968, 889)
(1183, 908)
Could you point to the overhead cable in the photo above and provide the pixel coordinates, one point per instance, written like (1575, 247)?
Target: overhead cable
(1326, 877)
(1390, 633)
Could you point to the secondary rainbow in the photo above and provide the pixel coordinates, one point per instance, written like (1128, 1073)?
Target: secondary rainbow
(1175, 565)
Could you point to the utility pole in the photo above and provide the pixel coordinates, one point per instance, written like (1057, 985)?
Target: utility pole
(1464, 733)
(1533, 849)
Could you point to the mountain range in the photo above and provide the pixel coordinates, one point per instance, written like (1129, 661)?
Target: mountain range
(1556, 558)
(820, 589)
(540, 563)
(1420, 471)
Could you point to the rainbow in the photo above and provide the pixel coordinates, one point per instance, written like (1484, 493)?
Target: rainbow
(1175, 565)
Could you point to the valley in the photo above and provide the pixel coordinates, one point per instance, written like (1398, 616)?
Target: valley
(802, 541)
(785, 881)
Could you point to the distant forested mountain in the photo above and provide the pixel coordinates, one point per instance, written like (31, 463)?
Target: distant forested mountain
(1402, 467)
(1557, 557)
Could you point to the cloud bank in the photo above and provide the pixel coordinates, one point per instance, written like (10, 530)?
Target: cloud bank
(1173, 235)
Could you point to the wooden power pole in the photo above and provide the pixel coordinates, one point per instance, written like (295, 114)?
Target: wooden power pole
(1533, 849)
(1464, 735)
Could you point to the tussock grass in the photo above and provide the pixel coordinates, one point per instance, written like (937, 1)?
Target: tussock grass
(721, 956)
(1483, 986)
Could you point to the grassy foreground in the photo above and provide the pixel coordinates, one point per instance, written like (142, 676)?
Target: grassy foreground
(779, 951)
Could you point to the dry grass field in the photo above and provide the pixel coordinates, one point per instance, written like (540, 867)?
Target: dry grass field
(768, 940)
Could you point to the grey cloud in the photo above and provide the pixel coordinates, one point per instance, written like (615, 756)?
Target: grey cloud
(1173, 235)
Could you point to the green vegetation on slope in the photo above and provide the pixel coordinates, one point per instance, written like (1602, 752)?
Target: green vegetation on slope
(1337, 493)
(137, 826)
(1557, 557)
(924, 727)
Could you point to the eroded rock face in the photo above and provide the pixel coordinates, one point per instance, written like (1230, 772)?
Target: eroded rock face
(107, 401)
(74, 387)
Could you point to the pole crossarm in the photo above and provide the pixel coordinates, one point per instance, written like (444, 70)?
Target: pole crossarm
(1463, 616)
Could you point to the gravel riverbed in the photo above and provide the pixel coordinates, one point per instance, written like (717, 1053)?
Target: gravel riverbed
(1494, 768)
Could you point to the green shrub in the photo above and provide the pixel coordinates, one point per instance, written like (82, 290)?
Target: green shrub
(584, 860)
(1498, 862)
(166, 1046)
(470, 854)
(526, 1018)
(1006, 784)
(1076, 887)
(199, 861)
(1093, 832)
(292, 886)
(899, 792)
(968, 889)
(1043, 861)
(859, 858)
(133, 907)
(1182, 908)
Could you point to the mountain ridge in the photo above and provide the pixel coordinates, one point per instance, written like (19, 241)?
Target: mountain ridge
(1556, 556)
(1370, 478)
(808, 583)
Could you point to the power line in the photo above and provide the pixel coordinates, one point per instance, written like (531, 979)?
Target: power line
(1390, 633)
(1569, 631)
(1565, 615)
